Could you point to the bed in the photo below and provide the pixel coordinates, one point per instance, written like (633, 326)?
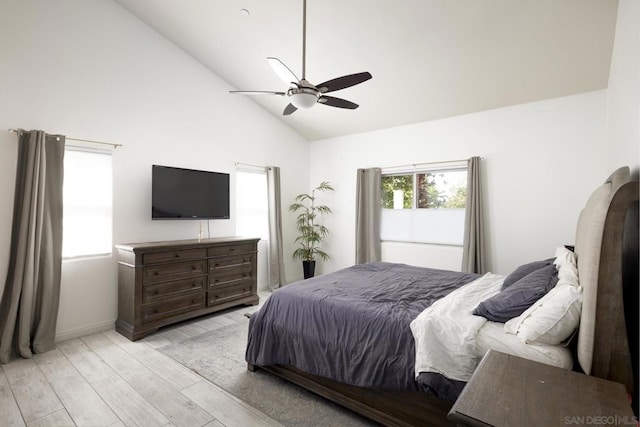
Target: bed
(350, 336)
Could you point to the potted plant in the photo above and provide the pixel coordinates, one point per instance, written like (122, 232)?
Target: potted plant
(311, 232)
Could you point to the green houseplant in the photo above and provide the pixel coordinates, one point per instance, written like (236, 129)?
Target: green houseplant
(311, 232)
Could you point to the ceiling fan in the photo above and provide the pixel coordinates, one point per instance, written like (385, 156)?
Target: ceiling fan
(303, 94)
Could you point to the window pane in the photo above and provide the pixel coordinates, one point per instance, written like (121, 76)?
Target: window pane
(252, 205)
(440, 226)
(442, 189)
(87, 204)
(397, 191)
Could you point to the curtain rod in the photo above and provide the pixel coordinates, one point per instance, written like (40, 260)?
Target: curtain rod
(426, 164)
(251, 166)
(114, 145)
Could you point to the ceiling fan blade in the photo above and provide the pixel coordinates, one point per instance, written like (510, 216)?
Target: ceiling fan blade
(289, 109)
(285, 74)
(343, 82)
(337, 102)
(257, 92)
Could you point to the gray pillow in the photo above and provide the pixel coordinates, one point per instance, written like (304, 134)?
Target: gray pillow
(514, 300)
(524, 270)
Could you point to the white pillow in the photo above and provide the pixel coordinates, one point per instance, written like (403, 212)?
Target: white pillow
(567, 269)
(567, 273)
(550, 320)
(564, 256)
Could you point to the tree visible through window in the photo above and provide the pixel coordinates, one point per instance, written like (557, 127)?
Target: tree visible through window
(394, 185)
(445, 190)
(425, 190)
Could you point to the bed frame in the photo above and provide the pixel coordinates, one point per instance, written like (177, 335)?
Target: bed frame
(602, 347)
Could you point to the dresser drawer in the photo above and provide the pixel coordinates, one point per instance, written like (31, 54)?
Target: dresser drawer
(172, 306)
(175, 255)
(218, 264)
(228, 277)
(175, 270)
(231, 249)
(152, 293)
(228, 293)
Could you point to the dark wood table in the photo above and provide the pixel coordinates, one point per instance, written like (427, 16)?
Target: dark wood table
(510, 391)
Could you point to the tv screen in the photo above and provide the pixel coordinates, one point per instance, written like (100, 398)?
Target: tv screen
(178, 193)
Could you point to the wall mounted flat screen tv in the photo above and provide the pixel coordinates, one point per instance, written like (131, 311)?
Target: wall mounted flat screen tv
(178, 193)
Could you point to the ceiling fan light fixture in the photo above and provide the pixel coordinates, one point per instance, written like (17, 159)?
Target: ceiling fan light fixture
(301, 98)
(301, 93)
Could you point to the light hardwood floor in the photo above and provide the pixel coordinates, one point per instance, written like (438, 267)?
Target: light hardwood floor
(104, 379)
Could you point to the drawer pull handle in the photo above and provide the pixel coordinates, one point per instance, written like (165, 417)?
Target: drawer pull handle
(194, 284)
(193, 267)
(195, 301)
(155, 273)
(177, 255)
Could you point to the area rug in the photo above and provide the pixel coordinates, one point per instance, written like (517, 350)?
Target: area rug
(218, 356)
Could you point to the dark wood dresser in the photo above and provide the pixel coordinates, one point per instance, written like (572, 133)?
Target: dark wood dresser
(160, 283)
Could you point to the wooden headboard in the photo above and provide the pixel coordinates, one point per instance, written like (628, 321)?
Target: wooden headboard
(603, 348)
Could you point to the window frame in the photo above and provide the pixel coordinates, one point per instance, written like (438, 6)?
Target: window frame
(264, 235)
(90, 149)
(440, 234)
(417, 171)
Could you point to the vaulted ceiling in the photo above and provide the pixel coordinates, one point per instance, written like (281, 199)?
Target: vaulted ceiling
(429, 59)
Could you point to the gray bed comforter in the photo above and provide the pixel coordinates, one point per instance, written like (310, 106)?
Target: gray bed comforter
(352, 325)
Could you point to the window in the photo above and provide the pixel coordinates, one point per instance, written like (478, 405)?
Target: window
(87, 203)
(424, 206)
(435, 190)
(252, 205)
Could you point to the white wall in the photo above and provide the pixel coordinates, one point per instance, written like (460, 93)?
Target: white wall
(89, 69)
(541, 162)
(623, 101)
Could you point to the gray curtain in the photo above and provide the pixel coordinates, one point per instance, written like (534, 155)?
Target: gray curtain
(29, 307)
(473, 257)
(276, 261)
(368, 194)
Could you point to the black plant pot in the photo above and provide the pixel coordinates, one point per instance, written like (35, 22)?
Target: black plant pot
(308, 268)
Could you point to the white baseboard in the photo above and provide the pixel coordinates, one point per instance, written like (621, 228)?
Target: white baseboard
(87, 330)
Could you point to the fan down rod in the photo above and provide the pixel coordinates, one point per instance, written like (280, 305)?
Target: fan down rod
(304, 38)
